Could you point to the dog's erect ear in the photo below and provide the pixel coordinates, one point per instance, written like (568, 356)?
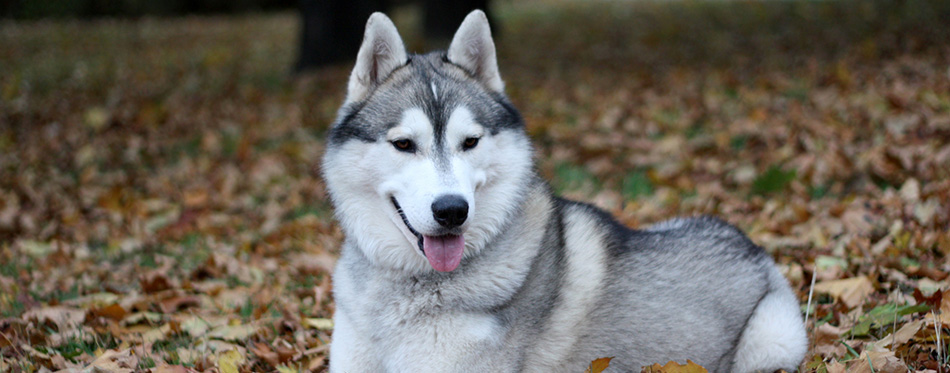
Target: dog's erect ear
(473, 49)
(382, 52)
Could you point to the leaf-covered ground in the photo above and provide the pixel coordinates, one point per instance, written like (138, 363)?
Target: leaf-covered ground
(161, 205)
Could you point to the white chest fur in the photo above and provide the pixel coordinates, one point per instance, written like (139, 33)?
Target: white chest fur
(388, 331)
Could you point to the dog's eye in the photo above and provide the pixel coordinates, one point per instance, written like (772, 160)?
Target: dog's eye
(469, 143)
(405, 145)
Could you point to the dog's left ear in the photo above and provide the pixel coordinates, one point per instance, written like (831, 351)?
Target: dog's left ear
(472, 48)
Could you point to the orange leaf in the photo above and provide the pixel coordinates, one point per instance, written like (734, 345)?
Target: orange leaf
(113, 311)
(598, 365)
(264, 351)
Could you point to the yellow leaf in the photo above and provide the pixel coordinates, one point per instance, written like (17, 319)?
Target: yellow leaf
(234, 332)
(286, 369)
(319, 323)
(35, 249)
(96, 118)
(157, 334)
(674, 367)
(598, 365)
(229, 361)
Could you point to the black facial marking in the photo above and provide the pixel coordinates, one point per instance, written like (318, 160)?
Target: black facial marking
(348, 128)
(411, 86)
(406, 221)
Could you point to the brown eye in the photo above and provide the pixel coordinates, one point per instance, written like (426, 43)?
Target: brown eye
(469, 143)
(404, 145)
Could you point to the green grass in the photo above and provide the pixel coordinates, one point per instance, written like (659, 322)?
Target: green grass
(636, 184)
(772, 180)
(76, 346)
(571, 177)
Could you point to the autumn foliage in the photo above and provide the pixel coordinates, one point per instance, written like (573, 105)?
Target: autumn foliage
(161, 206)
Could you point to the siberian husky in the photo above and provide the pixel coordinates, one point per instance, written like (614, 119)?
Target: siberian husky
(458, 258)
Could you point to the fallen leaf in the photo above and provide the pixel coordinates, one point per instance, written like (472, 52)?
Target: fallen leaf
(319, 323)
(142, 317)
(910, 191)
(157, 334)
(264, 352)
(674, 367)
(35, 249)
(229, 361)
(827, 341)
(171, 369)
(852, 291)
(114, 361)
(882, 362)
(174, 304)
(835, 367)
(902, 335)
(96, 118)
(598, 365)
(62, 317)
(234, 333)
(154, 282)
(113, 311)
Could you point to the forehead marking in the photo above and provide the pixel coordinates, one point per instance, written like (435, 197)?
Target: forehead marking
(435, 93)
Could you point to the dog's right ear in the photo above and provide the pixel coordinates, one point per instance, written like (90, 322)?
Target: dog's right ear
(382, 52)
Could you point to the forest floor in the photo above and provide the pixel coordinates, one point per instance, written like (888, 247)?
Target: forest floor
(161, 205)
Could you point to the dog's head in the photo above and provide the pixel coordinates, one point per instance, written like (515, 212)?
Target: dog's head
(427, 160)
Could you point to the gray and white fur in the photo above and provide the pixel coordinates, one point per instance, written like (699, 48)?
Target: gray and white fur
(458, 258)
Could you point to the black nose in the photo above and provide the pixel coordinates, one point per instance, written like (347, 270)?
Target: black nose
(450, 211)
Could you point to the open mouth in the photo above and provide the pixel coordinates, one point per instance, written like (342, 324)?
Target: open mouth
(444, 252)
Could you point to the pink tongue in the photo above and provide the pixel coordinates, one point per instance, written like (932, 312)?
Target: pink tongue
(444, 252)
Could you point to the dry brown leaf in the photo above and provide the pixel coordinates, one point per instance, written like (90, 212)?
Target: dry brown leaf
(945, 303)
(674, 367)
(157, 334)
(154, 282)
(286, 352)
(851, 291)
(114, 361)
(171, 369)
(264, 352)
(234, 332)
(113, 311)
(826, 341)
(902, 335)
(63, 318)
(836, 367)
(173, 304)
(882, 361)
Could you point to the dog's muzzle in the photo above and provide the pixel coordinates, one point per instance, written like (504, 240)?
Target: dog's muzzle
(406, 222)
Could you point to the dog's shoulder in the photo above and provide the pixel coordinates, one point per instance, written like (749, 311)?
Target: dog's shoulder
(695, 236)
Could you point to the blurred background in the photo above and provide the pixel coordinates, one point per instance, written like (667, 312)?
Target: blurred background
(161, 201)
